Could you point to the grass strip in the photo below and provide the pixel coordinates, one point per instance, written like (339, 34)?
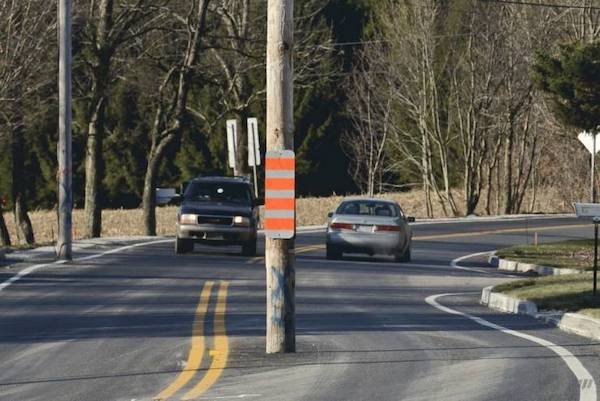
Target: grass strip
(573, 254)
(569, 293)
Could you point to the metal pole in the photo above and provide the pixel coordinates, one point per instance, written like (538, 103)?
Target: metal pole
(595, 254)
(593, 174)
(279, 254)
(255, 182)
(65, 196)
(255, 138)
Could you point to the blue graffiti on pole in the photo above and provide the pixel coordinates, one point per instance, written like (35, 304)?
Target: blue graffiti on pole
(276, 292)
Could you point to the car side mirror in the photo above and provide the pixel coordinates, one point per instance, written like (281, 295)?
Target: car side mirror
(259, 202)
(330, 214)
(410, 219)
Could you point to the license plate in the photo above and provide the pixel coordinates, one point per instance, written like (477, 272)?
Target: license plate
(364, 229)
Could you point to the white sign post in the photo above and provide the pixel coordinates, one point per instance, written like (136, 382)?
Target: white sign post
(591, 210)
(590, 142)
(253, 149)
(232, 144)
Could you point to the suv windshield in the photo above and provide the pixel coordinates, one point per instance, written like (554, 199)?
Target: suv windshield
(218, 192)
(368, 208)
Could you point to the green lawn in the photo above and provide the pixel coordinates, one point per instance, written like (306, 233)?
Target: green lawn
(575, 254)
(571, 293)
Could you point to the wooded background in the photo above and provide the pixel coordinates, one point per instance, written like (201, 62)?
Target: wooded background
(435, 95)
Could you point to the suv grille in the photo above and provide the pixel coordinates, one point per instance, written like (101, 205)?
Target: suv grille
(217, 220)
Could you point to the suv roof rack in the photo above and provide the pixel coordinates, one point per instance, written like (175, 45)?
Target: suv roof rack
(221, 177)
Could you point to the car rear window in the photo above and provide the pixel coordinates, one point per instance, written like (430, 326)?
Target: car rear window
(368, 208)
(218, 192)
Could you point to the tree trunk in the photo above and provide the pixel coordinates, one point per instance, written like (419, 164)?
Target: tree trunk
(93, 163)
(149, 196)
(488, 195)
(508, 171)
(4, 235)
(242, 144)
(22, 222)
(163, 134)
(93, 171)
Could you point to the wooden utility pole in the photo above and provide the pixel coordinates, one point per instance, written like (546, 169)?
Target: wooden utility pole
(65, 170)
(279, 254)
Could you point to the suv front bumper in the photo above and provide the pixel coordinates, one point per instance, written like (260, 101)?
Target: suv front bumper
(226, 235)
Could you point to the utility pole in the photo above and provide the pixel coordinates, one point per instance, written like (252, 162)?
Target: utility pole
(593, 168)
(279, 253)
(595, 220)
(65, 170)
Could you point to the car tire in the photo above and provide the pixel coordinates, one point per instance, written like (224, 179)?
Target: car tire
(183, 245)
(249, 248)
(333, 252)
(404, 257)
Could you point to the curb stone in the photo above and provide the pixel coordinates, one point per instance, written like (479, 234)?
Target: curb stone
(521, 267)
(504, 303)
(575, 323)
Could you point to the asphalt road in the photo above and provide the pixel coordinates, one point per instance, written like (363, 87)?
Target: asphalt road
(142, 324)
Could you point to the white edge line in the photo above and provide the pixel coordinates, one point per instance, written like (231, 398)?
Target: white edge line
(33, 268)
(455, 264)
(587, 385)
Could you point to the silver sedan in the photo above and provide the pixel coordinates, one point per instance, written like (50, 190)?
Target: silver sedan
(370, 226)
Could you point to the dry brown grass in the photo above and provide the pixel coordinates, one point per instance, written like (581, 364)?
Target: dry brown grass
(311, 211)
(115, 223)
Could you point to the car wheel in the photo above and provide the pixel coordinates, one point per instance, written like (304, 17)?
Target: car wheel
(183, 245)
(333, 252)
(249, 248)
(403, 257)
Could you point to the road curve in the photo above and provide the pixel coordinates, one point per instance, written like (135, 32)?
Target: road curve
(128, 325)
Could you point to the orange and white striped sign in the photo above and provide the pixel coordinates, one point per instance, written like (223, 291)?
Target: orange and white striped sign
(280, 194)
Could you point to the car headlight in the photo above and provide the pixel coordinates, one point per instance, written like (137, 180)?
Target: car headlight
(241, 221)
(188, 219)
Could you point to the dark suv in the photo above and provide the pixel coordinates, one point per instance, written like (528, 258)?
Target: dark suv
(218, 211)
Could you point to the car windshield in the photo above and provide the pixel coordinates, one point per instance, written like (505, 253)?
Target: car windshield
(218, 192)
(368, 208)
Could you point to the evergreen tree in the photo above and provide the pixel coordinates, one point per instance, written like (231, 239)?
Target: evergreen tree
(572, 79)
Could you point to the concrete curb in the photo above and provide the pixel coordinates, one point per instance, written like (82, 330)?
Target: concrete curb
(521, 267)
(505, 303)
(507, 217)
(574, 323)
(582, 325)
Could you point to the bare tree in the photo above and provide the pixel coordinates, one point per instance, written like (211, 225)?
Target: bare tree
(416, 62)
(109, 28)
(365, 143)
(26, 27)
(238, 57)
(238, 49)
(179, 69)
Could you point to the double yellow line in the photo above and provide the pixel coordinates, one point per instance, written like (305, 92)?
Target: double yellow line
(219, 353)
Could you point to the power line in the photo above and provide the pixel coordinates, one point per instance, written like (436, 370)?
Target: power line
(546, 5)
